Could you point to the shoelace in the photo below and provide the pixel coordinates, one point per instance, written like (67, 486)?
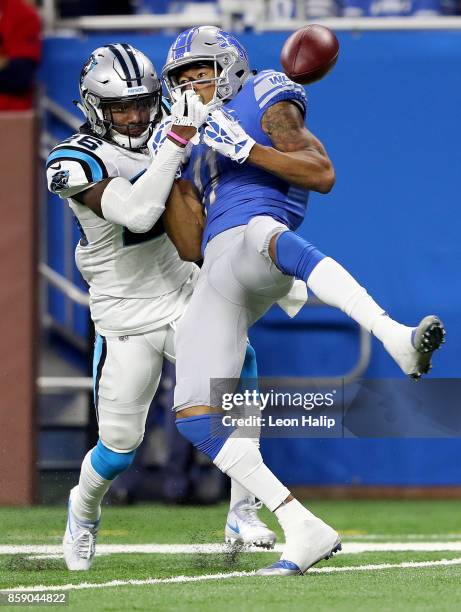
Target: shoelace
(85, 544)
(250, 511)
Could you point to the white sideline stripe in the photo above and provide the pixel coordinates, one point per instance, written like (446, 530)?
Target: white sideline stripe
(172, 549)
(175, 579)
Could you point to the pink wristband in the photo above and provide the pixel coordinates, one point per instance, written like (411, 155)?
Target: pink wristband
(178, 138)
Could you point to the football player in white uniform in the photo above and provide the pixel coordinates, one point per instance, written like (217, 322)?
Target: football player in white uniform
(133, 219)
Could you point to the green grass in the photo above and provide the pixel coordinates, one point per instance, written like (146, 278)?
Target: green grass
(432, 588)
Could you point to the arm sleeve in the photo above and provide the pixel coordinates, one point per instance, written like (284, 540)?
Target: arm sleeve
(139, 206)
(271, 87)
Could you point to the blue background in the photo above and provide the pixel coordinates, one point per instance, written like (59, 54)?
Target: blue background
(389, 116)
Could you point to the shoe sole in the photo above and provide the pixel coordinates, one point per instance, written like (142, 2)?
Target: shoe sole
(267, 544)
(428, 337)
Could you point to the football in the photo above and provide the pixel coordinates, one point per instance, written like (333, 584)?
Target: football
(309, 54)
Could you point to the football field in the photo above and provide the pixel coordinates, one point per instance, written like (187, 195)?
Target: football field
(396, 556)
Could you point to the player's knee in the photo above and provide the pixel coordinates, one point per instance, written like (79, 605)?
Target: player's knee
(206, 432)
(121, 438)
(260, 231)
(295, 256)
(191, 392)
(108, 463)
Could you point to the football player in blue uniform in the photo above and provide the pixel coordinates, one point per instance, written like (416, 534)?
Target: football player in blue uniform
(253, 171)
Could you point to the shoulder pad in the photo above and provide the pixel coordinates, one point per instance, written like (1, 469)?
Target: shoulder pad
(82, 150)
(71, 167)
(271, 87)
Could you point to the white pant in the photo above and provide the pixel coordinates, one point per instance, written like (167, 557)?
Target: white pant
(127, 378)
(237, 284)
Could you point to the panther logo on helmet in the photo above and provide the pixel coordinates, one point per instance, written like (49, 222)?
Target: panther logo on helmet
(90, 64)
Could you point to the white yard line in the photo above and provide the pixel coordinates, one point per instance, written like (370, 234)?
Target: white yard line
(172, 549)
(402, 537)
(176, 579)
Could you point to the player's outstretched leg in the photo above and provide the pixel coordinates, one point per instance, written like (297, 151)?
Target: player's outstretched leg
(243, 524)
(410, 347)
(99, 468)
(307, 538)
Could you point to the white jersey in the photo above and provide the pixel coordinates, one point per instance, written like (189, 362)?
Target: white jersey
(137, 281)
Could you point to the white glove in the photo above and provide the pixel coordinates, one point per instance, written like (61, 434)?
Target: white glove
(226, 136)
(189, 110)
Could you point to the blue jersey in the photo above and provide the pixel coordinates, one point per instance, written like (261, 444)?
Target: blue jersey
(232, 193)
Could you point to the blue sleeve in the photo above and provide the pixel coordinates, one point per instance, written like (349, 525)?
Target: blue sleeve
(271, 87)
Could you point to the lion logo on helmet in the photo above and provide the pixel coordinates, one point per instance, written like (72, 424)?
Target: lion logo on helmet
(227, 40)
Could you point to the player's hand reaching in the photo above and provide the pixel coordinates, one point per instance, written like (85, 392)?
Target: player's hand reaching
(189, 110)
(225, 135)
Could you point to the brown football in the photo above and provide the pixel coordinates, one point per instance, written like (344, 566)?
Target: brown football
(309, 54)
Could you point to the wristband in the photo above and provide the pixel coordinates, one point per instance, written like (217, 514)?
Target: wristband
(178, 138)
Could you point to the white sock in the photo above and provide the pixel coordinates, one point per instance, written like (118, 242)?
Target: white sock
(385, 328)
(92, 487)
(305, 534)
(292, 513)
(241, 460)
(239, 493)
(333, 284)
(293, 517)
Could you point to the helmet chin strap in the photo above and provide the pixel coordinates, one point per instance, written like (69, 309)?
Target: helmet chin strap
(130, 142)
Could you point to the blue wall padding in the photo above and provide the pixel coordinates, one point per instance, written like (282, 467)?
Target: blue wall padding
(389, 117)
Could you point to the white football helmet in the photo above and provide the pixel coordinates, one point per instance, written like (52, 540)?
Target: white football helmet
(211, 45)
(119, 73)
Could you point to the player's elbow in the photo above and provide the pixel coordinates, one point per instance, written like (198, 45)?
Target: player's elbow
(189, 252)
(142, 221)
(328, 180)
(140, 225)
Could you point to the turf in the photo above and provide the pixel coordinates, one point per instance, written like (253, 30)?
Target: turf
(428, 588)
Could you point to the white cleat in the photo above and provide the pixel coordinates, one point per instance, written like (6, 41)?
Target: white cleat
(244, 526)
(412, 348)
(311, 542)
(79, 540)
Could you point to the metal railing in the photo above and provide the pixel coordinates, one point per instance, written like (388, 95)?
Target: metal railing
(73, 293)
